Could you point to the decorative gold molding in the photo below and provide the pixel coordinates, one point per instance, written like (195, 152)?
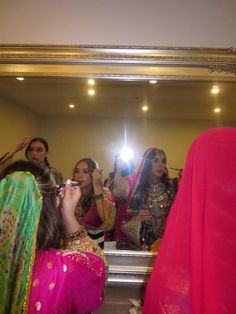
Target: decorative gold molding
(227, 68)
(119, 62)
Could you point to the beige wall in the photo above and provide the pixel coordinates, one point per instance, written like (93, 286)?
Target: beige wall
(72, 139)
(15, 123)
(202, 23)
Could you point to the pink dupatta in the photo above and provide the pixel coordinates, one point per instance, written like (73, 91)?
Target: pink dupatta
(195, 271)
(121, 213)
(66, 282)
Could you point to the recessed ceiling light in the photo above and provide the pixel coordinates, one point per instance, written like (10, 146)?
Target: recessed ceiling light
(217, 110)
(152, 81)
(20, 78)
(71, 106)
(91, 92)
(215, 89)
(144, 108)
(91, 82)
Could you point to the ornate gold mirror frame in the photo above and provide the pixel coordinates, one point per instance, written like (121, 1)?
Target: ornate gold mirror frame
(113, 62)
(119, 62)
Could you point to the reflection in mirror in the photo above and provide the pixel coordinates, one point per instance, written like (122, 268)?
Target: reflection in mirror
(53, 101)
(77, 124)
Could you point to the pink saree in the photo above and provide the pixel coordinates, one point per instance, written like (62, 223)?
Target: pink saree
(61, 281)
(91, 218)
(119, 236)
(195, 270)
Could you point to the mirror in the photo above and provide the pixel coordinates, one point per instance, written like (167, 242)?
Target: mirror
(180, 105)
(100, 124)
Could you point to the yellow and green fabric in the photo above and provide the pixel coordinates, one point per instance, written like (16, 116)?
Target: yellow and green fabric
(20, 208)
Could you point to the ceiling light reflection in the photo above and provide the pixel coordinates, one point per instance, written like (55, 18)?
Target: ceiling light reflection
(91, 82)
(215, 89)
(91, 92)
(126, 154)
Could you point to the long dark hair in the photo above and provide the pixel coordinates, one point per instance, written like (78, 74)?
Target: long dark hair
(51, 231)
(92, 165)
(42, 141)
(141, 189)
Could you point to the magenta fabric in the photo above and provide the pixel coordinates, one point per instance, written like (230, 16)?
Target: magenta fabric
(61, 281)
(195, 270)
(121, 212)
(91, 218)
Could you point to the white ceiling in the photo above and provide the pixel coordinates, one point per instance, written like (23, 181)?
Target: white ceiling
(113, 98)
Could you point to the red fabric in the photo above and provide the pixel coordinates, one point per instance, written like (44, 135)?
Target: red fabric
(121, 213)
(195, 271)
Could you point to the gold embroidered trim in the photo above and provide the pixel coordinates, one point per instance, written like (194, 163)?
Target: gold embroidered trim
(85, 245)
(29, 277)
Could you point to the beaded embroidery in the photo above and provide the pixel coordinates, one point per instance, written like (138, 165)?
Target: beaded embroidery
(85, 245)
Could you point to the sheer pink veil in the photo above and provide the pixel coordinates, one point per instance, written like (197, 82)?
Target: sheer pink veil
(140, 169)
(195, 270)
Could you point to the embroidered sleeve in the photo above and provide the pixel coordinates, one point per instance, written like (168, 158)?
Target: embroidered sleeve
(86, 245)
(110, 215)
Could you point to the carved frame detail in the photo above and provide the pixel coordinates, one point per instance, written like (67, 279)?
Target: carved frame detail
(119, 62)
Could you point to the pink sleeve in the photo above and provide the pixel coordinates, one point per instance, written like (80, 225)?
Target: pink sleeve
(67, 282)
(87, 282)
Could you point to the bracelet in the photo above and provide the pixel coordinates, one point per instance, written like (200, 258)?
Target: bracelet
(79, 234)
(98, 196)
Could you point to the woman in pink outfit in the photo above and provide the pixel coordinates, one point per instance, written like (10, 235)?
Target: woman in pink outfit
(195, 269)
(48, 264)
(121, 182)
(96, 207)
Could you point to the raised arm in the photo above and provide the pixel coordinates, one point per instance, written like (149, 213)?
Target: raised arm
(6, 159)
(77, 237)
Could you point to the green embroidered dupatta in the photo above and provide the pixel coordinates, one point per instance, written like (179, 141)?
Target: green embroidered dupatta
(20, 208)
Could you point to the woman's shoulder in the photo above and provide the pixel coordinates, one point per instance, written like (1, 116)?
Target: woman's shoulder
(56, 174)
(53, 170)
(69, 260)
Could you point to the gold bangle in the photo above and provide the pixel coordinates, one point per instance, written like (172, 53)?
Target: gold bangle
(78, 234)
(98, 196)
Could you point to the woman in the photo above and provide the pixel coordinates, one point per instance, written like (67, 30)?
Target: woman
(37, 275)
(195, 269)
(96, 207)
(152, 197)
(37, 151)
(121, 182)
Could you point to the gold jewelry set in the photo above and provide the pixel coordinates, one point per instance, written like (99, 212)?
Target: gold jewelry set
(157, 193)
